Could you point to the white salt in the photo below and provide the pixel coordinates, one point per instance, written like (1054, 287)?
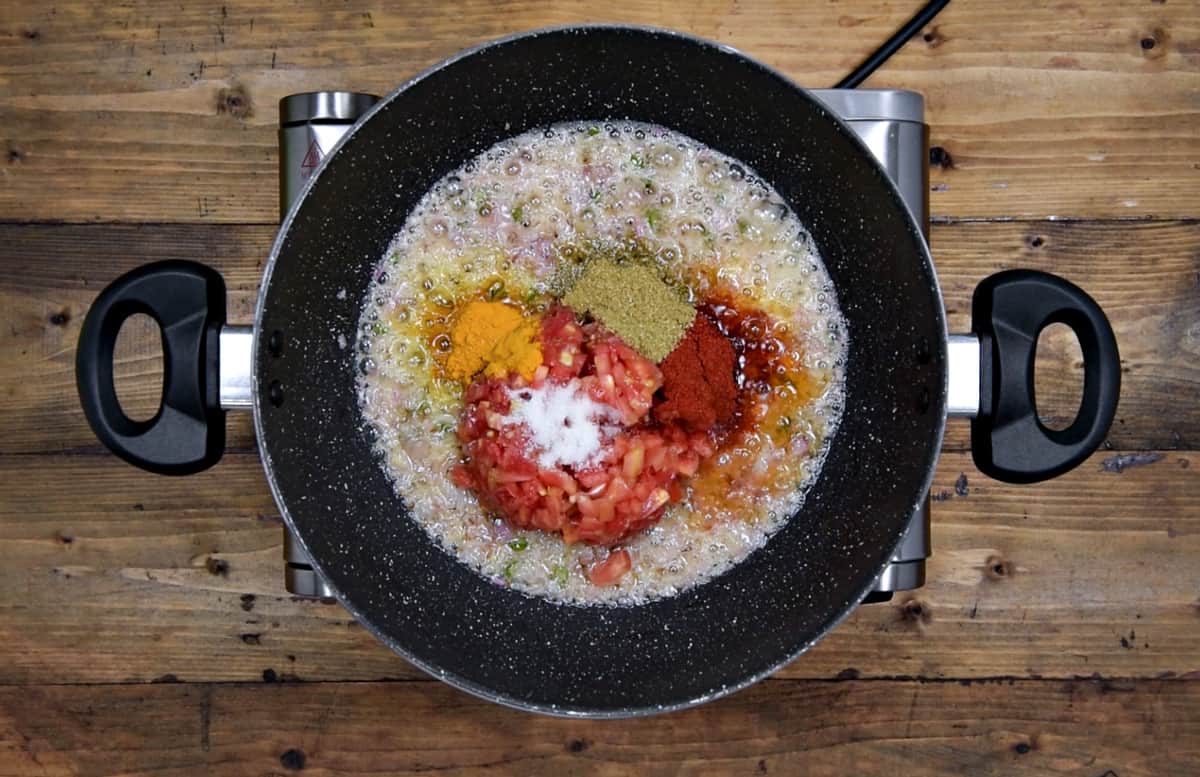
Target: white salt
(567, 427)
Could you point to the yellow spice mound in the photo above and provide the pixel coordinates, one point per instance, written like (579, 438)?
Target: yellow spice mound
(494, 338)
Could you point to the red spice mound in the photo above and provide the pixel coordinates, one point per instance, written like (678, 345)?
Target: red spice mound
(699, 388)
(619, 492)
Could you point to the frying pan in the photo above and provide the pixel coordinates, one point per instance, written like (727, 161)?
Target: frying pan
(528, 652)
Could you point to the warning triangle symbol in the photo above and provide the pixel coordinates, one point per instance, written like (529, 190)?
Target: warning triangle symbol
(311, 159)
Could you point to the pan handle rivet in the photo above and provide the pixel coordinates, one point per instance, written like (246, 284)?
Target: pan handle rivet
(924, 353)
(275, 343)
(275, 393)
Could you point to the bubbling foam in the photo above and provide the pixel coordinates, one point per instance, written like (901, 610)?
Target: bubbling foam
(501, 225)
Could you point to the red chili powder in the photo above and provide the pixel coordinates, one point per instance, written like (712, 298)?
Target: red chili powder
(699, 390)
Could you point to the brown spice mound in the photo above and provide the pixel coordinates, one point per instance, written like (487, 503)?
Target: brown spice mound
(699, 388)
(631, 300)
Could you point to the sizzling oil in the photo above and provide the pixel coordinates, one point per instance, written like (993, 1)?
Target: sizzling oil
(503, 227)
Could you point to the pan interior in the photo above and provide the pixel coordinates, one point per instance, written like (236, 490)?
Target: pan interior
(527, 651)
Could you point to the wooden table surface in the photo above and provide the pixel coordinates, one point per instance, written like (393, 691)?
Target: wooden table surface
(143, 624)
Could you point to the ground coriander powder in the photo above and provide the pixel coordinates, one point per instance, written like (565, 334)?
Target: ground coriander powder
(635, 303)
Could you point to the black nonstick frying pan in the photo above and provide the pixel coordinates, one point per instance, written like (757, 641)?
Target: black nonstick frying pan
(528, 652)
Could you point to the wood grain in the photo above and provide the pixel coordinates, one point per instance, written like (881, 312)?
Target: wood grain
(140, 615)
(182, 577)
(1080, 727)
(1145, 275)
(156, 111)
(51, 275)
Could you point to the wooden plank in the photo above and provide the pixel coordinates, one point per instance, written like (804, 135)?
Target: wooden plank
(1144, 274)
(166, 112)
(108, 574)
(1081, 727)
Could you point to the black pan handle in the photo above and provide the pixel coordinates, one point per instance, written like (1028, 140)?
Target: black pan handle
(1010, 309)
(187, 434)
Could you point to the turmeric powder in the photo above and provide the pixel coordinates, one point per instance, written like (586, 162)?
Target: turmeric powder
(495, 338)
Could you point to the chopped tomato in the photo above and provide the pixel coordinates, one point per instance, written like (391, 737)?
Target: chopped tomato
(622, 377)
(562, 345)
(612, 569)
(623, 490)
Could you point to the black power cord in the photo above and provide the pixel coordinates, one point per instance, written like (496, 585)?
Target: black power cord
(892, 45)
